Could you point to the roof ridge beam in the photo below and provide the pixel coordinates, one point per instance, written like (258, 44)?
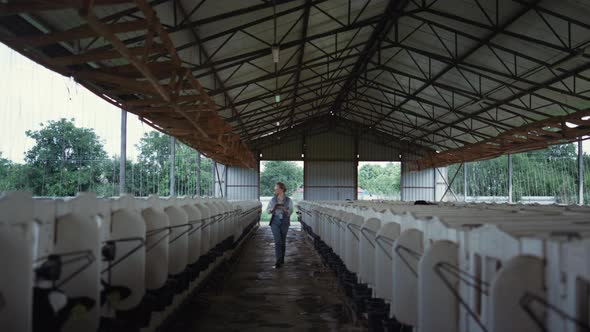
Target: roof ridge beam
(392, 13)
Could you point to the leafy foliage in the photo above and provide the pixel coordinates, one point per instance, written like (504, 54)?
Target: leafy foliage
(12, 175)
(280, 171)
(66, 159)
(380, 179)
(153, 166)
(373, 178)
(549, 172)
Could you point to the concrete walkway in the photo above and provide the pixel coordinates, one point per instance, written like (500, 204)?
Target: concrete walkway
(252, 296)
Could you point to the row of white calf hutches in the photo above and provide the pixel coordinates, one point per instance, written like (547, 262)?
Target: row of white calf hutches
(457, 267)
(113, 264)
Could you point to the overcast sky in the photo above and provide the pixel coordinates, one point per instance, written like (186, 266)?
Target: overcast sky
(31, 95)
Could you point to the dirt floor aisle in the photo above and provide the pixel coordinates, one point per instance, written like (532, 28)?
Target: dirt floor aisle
(252, 296)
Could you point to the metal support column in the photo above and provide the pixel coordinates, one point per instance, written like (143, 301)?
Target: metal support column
(434, 184)
(258, 176)
(580, 173)
(198, 173)
(401, 180)
(219, 179)
(224, 179)
(213, 168)
(465, 181)
(122, 162)
(172, 164)
(356, 168)
(510, 179)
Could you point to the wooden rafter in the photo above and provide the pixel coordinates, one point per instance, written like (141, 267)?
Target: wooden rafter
(102, 55)
(146, 78)
(533, 136)
(171, 98)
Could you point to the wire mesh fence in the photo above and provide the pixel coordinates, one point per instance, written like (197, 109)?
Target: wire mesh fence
(48, 177)
(544, 177)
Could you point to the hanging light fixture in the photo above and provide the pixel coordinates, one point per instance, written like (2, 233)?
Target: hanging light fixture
(275, 53)
(275, 50)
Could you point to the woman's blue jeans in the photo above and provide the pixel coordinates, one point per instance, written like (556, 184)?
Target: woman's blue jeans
(279, 230)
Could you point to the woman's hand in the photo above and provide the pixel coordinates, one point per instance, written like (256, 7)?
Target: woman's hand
(282, 207)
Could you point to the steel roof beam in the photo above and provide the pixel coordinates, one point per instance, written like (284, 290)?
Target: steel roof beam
(228, 99)
(379, 102)
(372, 101)
(328, 119)
(466, 94)
(478, 69)
(512, 75)
(492, 28)
(311, 63)
(270, 93)
(261, 115)
(197, 23)
(471, 51)
(497, 125)
(410, 126)
(319, 127)
(539, 86)
(392, 13)
(305, 24)
(253, 55)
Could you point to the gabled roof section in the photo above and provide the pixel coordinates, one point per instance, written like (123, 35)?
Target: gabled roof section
(337, 124)
(445, 75)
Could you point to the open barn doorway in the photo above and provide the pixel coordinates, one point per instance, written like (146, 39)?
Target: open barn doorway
(288, 172)
(379, 180)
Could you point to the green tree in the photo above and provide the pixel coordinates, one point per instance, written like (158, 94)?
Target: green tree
(488, 177)
(64, 160)
(379, 179)
(280, 171)
(547, 172)
(151, 175)
(12, 175)
(5, 171)
(366, 173)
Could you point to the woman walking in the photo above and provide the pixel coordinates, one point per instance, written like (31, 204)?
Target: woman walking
(280, 207)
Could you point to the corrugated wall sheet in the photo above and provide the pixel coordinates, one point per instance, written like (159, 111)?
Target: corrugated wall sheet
(330, 146)
(369, 150)
(242, 184)
(330, 180)
(428, 185)
(283, 150)
(333, 145)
